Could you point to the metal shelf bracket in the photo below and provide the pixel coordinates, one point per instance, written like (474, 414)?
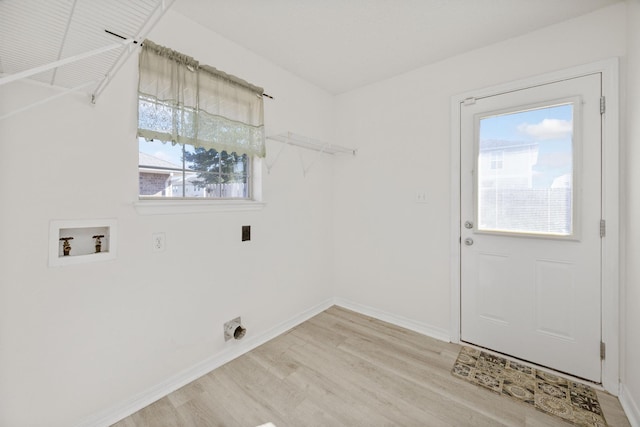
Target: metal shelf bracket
(320, 147)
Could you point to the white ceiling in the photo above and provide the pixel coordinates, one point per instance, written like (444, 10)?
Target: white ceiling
(341, 45)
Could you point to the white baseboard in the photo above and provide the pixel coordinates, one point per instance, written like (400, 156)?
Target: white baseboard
(630, 407)
(422, 328)
(147, 397)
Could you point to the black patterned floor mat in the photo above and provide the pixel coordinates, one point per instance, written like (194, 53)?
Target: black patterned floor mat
(573, 402)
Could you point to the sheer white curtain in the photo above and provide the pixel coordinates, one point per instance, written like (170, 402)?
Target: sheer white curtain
(184, 102)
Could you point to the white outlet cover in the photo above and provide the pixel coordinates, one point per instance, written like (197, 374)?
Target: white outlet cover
(158, 242)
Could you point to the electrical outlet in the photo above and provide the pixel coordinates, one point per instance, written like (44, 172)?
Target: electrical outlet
(421, 196)
(246, 233)
(158, 241)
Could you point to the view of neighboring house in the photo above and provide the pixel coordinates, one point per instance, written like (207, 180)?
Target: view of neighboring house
(518, 184)
(155, 175)
(161, 178)
(507, 164)
(193, 188)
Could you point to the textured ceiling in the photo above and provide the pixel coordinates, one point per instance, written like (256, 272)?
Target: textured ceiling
(341, 45)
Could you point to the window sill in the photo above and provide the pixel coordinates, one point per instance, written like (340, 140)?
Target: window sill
(170, 207)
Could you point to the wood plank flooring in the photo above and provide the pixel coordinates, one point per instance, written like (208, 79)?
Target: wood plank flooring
(341, 368)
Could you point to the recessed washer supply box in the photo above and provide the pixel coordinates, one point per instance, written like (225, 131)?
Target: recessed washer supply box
(83, 244)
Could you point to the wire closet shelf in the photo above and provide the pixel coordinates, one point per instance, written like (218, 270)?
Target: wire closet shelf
(320, 147)
(291, 138)
(71, 45)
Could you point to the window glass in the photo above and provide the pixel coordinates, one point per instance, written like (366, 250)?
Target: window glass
(525, 171)
(184, 171)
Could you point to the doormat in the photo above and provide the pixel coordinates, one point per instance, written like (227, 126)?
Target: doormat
(573, 402)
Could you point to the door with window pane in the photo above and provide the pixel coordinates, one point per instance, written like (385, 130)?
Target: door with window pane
(530, 232)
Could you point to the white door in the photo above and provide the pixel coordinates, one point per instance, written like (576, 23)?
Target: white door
(530, 232)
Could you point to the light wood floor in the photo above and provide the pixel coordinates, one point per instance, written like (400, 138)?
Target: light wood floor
(344, 369)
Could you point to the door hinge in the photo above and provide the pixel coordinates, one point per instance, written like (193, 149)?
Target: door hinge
(469, 101)
(603, 104)
(603, 228)
(603, 350)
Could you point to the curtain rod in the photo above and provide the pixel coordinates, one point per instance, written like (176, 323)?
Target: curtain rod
(118, 35)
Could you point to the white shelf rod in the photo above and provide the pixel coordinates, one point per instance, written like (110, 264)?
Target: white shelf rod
(290, 138)
(64, 38)
(50, 98)
(158, 13)
(46, 67)
(311, 144)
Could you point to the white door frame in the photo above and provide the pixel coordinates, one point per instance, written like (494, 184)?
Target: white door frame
(610, 204)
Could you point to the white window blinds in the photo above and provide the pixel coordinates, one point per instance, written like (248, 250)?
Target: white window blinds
(184, 102)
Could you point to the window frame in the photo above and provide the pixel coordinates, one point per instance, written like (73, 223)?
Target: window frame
(575, 232)
(231, 130)
(168, 206)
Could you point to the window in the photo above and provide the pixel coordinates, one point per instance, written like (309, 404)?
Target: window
(199, 129)
(525, 171)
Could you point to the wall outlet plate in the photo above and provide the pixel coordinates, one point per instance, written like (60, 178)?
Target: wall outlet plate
(159, 242)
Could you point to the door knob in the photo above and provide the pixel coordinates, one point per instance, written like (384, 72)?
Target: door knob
(468, 241)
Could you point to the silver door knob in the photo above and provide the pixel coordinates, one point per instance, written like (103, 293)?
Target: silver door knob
(468, 224)
(468, 241)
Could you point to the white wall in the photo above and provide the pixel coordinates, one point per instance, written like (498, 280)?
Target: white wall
(391, 253)
(78, 340)
(630, 396)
